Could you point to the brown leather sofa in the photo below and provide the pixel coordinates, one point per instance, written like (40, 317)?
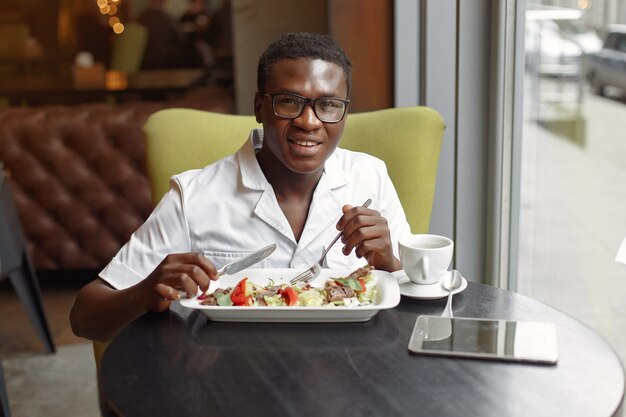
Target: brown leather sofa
(77, 174)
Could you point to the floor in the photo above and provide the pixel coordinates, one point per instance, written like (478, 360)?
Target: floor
(38, 383)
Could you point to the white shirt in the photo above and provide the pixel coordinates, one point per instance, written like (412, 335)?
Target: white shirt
(621, 253)
(228, 209)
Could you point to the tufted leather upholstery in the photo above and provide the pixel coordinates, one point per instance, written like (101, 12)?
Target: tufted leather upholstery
(78, 177)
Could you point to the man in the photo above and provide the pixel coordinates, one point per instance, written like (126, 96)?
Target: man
(289, 184)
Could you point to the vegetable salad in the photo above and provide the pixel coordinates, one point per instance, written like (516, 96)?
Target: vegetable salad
(356, 289)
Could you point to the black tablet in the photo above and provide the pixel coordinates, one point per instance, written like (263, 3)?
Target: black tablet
(515, 341)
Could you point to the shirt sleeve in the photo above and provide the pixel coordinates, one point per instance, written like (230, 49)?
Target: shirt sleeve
(165, 232)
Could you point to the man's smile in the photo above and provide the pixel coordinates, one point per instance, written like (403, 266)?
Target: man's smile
(302, 146)
(304, 142)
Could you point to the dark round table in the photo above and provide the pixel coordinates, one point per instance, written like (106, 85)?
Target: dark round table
(179, 363)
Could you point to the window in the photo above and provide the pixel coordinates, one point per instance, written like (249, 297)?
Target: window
(573, 176)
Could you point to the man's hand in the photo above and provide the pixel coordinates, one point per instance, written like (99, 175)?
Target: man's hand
(366, 232)
(177, 272)
(101, 311)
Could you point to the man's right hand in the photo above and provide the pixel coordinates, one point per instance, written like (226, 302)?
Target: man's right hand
(101, 311)
(182, 272)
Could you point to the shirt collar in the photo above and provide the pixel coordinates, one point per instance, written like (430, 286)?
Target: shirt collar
(252, 176)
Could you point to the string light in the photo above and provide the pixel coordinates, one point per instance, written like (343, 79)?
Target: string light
(118, 28)
(110, 8)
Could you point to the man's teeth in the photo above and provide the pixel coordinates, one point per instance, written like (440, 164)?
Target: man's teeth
(304, 142)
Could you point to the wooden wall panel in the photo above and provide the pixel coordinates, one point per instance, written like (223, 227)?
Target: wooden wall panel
(365, 29)
(256, 23)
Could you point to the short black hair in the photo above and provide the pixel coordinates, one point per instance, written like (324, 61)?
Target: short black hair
(295, 45)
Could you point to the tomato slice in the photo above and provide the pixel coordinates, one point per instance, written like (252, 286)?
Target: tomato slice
(238, 296)
(290, 295)
(363, 288)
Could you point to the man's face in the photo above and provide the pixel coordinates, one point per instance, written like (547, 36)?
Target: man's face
(303, 144)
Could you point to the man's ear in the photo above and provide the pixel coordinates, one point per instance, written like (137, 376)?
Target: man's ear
(258, 103)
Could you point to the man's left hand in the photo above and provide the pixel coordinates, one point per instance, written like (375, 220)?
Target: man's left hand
(367, 233)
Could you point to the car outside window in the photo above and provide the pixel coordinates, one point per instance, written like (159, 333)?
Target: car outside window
(611, 41)
(621, 43)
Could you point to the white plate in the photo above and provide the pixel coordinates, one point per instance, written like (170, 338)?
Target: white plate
(427, 292)
(388, 297)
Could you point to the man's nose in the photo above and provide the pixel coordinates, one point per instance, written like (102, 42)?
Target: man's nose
(308, 119)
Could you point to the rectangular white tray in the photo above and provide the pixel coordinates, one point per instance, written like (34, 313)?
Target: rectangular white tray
(388, 297)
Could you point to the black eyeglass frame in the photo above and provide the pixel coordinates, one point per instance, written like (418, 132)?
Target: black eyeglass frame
(307, 100)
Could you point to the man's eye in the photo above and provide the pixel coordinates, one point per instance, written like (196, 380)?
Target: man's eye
(330, 104)
(286, 101)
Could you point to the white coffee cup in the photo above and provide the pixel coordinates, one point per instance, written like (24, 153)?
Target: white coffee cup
(425, 258)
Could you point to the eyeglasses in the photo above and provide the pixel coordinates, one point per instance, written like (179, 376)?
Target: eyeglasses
(291, 106)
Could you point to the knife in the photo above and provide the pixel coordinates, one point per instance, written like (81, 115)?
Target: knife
(240, 264)
(246, 261)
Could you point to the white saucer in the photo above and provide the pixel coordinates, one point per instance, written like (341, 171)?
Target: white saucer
(427, 292)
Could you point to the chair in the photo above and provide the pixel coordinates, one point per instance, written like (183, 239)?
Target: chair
(15, 264)
(98, 350)
(128, 48)
(14, 36)
(408, 139)
(4, 398)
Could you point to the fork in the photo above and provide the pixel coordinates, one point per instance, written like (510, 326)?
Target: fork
(315, 269)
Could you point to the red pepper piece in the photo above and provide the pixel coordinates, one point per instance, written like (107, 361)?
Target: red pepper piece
(238, 297)
(290, 296)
